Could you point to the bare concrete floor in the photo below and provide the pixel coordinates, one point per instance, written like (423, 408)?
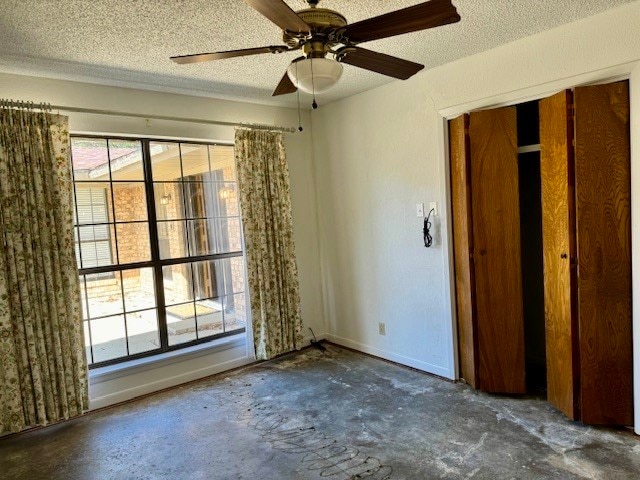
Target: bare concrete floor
(312, 415)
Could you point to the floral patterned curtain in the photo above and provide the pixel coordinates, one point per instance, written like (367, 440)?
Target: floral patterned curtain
(263, 180)
(43, 372)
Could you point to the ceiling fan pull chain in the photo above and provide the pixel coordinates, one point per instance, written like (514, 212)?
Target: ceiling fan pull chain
(298, 95)
(313, 87)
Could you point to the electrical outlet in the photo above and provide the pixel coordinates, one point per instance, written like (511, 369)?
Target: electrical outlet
(433, 206)
(381, 329)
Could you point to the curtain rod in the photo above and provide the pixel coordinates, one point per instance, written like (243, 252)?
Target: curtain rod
(46, 106)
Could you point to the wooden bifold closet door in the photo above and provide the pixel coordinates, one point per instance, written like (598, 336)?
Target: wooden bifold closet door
(587, 252)
(463, 248)
(485, 193)
(496, 233)
(559, 250)
(603, 206)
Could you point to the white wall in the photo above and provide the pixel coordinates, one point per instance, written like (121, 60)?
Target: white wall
(299, 154)
(373, 166)
(381, 152)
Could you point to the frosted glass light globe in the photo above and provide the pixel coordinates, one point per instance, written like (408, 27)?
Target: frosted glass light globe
(326, 72)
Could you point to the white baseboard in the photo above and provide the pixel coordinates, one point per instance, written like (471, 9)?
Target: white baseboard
(394, 357)
(139, 390)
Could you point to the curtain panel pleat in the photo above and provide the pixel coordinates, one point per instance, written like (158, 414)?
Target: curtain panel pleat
(43, 376)
(265, 200)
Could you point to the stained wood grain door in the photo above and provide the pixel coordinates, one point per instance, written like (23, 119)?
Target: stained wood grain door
(604, 252)
(559, 253)
(497, 262)
(463, 248)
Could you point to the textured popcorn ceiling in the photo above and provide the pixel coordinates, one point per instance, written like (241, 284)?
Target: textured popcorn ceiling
(129, 42)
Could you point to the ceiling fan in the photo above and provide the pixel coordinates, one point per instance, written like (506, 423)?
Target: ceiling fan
(320, 32)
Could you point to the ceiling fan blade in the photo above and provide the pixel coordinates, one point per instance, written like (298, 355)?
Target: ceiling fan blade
(285, 86)
(281, 14)
(206, 57)
(412, 19)
(378, 62)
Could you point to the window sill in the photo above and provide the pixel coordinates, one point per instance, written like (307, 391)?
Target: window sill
(112, 372)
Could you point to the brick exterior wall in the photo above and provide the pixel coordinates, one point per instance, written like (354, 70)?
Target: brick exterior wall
(133, 239)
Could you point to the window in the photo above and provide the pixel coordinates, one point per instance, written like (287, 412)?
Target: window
(92, 219)
(158, 245)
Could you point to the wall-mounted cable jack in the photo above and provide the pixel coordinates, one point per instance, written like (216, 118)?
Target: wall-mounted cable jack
(428, 239)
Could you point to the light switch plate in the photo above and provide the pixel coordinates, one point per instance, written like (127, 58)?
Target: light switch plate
(420, 210)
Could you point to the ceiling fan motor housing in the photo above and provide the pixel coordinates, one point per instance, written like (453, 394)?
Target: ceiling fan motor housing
(322, 22)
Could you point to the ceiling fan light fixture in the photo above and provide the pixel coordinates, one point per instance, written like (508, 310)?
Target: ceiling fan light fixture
(315, 75)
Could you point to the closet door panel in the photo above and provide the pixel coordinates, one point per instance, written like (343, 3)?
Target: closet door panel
(497, 261)
(558, 238)
(463, 247)
(604, 253)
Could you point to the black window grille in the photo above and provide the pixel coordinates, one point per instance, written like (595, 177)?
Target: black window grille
(158, 245)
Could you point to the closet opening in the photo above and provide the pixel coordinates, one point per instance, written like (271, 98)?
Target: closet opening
(526, 221)
(531, 247)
